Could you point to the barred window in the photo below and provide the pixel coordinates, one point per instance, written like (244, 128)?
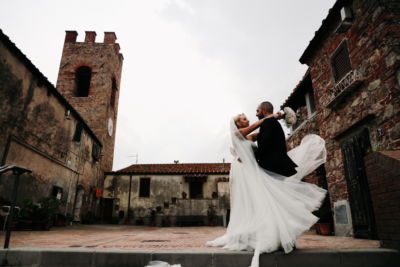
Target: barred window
(341, 62)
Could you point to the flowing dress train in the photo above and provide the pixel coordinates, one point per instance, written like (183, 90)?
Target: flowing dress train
(269, 211)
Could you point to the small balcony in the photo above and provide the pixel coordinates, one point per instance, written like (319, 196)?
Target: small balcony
(344, 87)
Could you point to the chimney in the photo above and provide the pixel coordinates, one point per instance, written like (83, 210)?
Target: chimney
(90, 37)
(109, 37)
(70, 36)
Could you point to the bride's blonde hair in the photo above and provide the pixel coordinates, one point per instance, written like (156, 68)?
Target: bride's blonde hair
(237, 118)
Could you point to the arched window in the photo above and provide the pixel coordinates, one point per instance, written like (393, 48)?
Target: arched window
(82, 80)
(113, 92)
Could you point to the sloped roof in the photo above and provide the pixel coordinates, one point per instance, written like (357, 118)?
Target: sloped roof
(179, 168)
(324, 30)
(296, 98)
(43, 79)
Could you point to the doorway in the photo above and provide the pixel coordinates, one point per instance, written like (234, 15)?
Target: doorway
(354, 148)
(78, 205)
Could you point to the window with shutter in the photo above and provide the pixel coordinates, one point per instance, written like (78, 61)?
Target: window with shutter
(341, 62)
(78, 132)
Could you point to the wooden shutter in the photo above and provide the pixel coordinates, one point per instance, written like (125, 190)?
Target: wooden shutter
(341, 62)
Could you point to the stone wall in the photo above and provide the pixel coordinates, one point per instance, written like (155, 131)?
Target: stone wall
(166, 193)
(371, 103)
(373, 51)
(383, 171)
(36, 133)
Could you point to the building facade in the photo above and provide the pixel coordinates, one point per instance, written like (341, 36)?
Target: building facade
(168, 194)
(350, 97)
(42, 131)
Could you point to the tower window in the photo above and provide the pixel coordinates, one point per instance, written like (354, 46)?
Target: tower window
(82, 79)
(144, 187)
(78, 132)
(113, 92)
(341, 62)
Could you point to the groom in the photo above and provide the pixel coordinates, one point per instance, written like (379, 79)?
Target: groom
(272, 154)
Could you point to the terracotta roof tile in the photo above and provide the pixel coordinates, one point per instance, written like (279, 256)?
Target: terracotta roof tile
(180, 168)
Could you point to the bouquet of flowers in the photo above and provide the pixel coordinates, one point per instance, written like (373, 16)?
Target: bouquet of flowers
(289, 116)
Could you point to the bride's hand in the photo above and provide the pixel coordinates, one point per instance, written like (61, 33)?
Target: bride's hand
(277, 116)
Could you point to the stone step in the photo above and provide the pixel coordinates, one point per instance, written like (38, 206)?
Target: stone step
(119, 258)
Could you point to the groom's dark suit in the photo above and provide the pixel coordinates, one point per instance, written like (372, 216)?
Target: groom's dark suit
(272, 154)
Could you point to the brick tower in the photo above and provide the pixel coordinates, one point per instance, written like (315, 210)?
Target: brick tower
(89, 78)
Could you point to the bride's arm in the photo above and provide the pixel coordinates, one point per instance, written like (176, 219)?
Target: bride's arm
(252, 137)
(245, 131)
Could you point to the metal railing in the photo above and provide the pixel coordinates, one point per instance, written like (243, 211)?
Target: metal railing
(345, 86)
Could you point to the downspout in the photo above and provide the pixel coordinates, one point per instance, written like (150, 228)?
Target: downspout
(129, 197)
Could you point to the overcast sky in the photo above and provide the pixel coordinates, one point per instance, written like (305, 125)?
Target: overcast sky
(189, 65)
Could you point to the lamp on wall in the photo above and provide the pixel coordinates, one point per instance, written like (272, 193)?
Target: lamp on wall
(346, 19)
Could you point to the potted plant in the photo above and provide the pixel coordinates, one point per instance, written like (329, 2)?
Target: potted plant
(325, 224)
(24, 220)
(44, 213)
(38, 216)
(211, 215)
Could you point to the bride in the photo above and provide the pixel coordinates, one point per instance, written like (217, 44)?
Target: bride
(269, 211)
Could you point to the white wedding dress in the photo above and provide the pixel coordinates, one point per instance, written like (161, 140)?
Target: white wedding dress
(269, 211)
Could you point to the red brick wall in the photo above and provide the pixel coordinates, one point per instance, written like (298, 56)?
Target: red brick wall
(105, 61)
(383, 172)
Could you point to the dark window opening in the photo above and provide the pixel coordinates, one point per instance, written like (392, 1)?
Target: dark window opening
(113, 92)
(310, 103)
(56, 192)
(83, 76)
(96, 151)
(78, 132)
(144, 188)
(196, 189)
(341, 62)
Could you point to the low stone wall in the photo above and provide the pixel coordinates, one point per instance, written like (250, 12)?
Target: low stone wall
(383, 172)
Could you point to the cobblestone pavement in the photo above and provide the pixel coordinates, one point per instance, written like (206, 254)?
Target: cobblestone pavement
(153, 238)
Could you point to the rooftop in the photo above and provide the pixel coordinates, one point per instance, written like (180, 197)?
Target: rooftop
(177, 168)
(43, 80)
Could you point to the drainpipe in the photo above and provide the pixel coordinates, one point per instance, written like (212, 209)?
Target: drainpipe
(129, 197)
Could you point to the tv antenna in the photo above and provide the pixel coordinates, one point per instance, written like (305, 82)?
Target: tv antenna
(135, 156)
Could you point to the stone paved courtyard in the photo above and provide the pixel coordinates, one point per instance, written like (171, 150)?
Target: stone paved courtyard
(123, 237)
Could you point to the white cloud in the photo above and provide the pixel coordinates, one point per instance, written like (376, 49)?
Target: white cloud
(189, 65)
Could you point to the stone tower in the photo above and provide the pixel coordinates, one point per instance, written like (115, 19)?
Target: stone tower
(89, 78)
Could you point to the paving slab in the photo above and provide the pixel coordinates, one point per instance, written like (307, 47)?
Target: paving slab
(133, 246)
(126, 237)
